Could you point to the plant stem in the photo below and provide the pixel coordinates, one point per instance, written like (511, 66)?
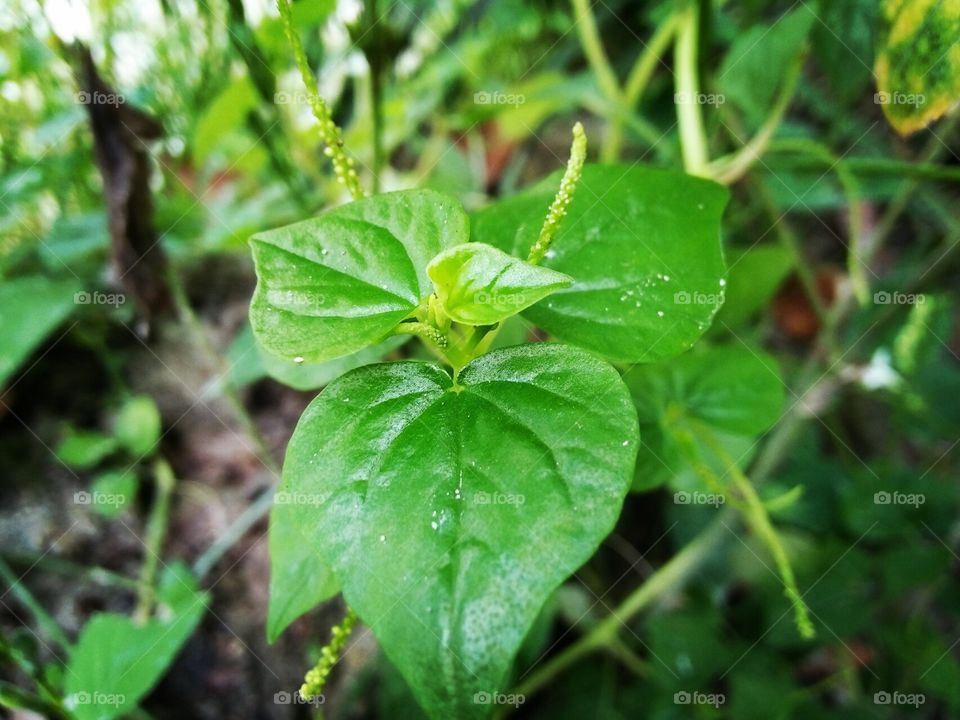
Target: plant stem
(637, 81)
(729, 169)
(751, 506)
(375, 63)
(758, 518)
(17, 697)
(647, 61)
(268, 129)
(644, 130)
(201, 341)
(98, 575)
(249, 517)
(622, 652)
(693, 138)
(693, 455)
(236, 530)
(593, 48)
(681, 566)
(932, 150)
(376, 101)
(668, 577)
(156, 532)
(856, 264)
(870, 166)
(43, 619)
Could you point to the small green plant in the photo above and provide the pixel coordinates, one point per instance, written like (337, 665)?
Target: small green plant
(583, 339)
(448, 500)
(448, 504)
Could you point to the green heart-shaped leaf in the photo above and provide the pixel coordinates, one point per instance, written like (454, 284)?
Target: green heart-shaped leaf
(337, 283)
(736, 390)
(481, 285)
(451, 510)
(643, 249)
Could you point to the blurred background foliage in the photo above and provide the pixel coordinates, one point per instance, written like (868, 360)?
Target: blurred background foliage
(101, 395)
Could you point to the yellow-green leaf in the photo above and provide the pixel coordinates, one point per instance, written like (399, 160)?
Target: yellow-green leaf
(918, 65)
(481, 285)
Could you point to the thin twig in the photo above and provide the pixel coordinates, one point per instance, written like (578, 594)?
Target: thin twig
(43, 618)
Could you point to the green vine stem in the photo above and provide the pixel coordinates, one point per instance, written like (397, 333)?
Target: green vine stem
(693, 455)
(637, 82)
(620, 101)
(200, 337)
(860, 166)
(602, 636)
(731, 168)
(156, 531)
(316, 677)
(622, 652)
(586, 26)
(935, 147)
(693, 139)
(616, 106)
(13, 696)
(568, 186)
(678, 569)
(343, 166)
(856, 264)
(646, 62)
(752, 509)
(69, 569)
(376, 101)
(759, 519)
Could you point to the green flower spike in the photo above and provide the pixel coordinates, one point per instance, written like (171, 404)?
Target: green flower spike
(568, 185)
(343, 166)
(316, 678)
(424, 331)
